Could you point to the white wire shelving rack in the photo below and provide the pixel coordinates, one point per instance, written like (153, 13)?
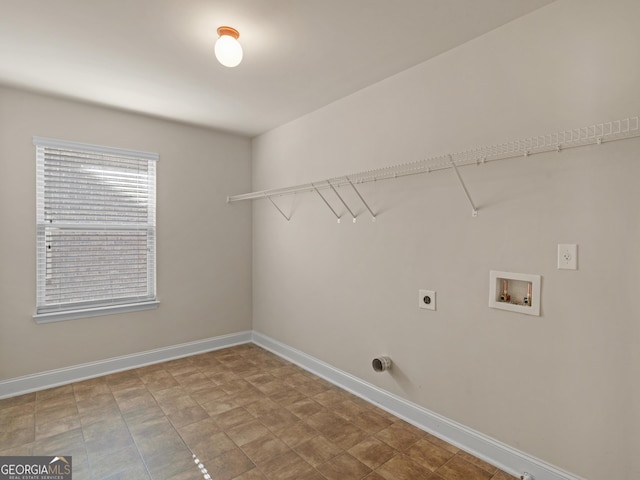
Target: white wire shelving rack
(556, 142)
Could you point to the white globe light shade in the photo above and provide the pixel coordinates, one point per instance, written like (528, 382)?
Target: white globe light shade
(228, 51)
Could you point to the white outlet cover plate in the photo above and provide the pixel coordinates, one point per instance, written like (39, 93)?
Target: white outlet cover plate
(567, 256)
(427, 304)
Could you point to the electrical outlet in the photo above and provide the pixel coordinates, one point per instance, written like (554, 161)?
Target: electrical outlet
(427, 299)
(567, 256)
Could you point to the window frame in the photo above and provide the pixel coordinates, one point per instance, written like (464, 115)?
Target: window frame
(52, 312)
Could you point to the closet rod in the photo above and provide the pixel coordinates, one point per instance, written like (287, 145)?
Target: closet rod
(578, 137)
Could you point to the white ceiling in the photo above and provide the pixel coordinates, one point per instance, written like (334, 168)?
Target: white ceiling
(156, 56)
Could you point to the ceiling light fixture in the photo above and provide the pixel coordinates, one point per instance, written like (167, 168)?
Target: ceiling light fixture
(228, 49)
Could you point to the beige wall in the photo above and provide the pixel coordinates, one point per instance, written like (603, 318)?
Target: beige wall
(563, 386)
(203, 244)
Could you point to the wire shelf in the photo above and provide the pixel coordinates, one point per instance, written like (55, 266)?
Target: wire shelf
(578, 137)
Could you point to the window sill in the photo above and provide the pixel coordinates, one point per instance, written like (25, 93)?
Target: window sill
(93, 312)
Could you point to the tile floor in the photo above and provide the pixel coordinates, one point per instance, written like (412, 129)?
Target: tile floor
(247, 415)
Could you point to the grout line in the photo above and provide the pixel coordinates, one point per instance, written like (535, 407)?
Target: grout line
(133, 439)
(84, 440)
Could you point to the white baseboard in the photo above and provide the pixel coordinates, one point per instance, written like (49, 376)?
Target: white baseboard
(54, 378)
(486, 448)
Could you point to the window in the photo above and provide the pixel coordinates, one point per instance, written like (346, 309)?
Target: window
(96, 230)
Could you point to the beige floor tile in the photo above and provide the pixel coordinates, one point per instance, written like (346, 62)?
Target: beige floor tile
(500, 475)
(95, 402)
(289, 466)
(124, 461)
(374, 476)
(460, 469)
(19, 451)
(306, 408)
(123, 380)
(70, 443)
(441, 443)
(297, 433)
(16, 401)
(89, 389)
(265, 448)
(229, 465)
(402, 467)
(134, 398)
(429, 454)
(329, 398)
(16, 438)
(278, 420)
(55, 427)
(398, 437)
(318, 450)
(253, 474)
(216, 445)
(233, 417)
(286, 395)
(106, 436)
(209, 393)
(142, 415)
(17, 417)
(53, 394)
(188, 415)
(219, 406)
(372, 452)
(477, 462)
(247, 432)
(49, 410)
(198, 431)
(174, 399)
(344, 467)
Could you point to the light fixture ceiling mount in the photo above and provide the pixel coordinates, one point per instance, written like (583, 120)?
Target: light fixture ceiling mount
(228, 50)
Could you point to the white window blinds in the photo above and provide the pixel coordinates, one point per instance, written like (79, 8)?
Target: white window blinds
(96, 229)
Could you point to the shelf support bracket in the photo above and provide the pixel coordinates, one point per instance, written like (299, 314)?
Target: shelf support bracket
(326, 202)
(474, 211)
(277, 207)
(342, 200)
(373, 215)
